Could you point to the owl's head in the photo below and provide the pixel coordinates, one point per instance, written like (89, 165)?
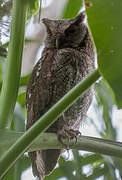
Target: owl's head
(68, 33)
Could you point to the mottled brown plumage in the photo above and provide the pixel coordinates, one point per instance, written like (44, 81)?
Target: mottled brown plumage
(67, 58)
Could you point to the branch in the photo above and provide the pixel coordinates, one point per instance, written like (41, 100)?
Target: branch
(23, 143)
(50, 141)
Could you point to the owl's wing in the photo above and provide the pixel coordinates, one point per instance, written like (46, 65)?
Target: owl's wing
(39, 89)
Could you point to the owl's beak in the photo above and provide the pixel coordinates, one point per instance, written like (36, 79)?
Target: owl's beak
(57, 43)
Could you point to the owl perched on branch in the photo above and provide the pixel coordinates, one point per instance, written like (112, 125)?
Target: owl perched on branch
(67, 58)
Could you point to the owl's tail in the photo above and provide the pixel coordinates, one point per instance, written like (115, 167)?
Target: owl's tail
(43, 162)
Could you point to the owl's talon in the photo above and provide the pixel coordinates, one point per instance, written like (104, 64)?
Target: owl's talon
(60, 139)
(70, 134)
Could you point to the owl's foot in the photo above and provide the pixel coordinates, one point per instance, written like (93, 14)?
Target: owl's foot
(69, 134)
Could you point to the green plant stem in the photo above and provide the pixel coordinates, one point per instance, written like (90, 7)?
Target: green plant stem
(13, 64)
(23, 143)
(78, 165)
(50, 141)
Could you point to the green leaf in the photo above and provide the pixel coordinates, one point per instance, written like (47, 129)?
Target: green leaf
(19, 125)
(0, 71)
(23, 163)
(91, 159)
(24, 80)
(21, 99)
(33, 6)
(78, 164)
(72, 8)
(19, 119)
(15, 172)
(111, 168)
(118, 165)
(99, 171)
(106, 26)
(9, 175)
(104, 98)
(55, 175)
(12, 72)
(66, 168)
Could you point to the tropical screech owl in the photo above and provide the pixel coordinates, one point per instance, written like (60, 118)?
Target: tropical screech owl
(67, 58)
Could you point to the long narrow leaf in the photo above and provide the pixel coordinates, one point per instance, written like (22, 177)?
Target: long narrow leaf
(13, 64)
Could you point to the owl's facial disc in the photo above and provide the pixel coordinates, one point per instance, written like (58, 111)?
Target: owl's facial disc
(68, 33)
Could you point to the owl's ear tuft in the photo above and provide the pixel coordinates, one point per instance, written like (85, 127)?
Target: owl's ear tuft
(82, 15)
(75, 23)
(49, 24)
(79, 18)
(46, 22)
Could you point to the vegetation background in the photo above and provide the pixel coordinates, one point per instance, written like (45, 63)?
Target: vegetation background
(106, 27)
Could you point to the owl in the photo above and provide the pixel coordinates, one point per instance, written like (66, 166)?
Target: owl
(68, 57)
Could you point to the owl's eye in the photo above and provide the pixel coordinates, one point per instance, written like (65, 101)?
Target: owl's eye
(59, 42)
(71, 30)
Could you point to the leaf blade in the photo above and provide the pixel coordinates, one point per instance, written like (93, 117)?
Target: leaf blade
(106, 26)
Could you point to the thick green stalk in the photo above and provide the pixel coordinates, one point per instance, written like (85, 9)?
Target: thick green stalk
(50, 141)
(23, 143)
(13, 64)
(78, 165)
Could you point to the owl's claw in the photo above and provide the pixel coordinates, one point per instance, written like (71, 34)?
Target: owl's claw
(70, 134)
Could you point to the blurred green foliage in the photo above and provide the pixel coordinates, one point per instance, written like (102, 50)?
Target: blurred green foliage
(33, 6)
(106, 26)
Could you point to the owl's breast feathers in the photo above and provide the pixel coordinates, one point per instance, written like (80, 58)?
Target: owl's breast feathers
(52, 77)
